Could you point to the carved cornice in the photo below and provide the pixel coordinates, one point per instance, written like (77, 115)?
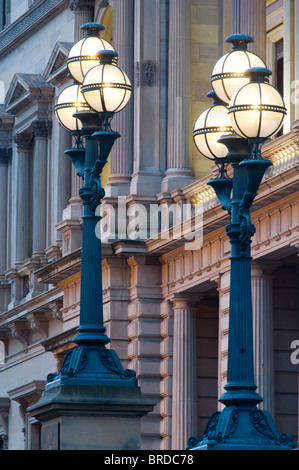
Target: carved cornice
(38, 15)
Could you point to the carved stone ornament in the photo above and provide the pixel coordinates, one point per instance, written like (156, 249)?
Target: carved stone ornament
(104, 4)
(145, 73)
(81, 5)
(5, 155)
(23, 141)
(40, 128)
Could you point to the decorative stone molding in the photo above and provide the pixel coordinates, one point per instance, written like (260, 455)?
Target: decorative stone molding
(19, 329)
(55, 308)
(39, 324)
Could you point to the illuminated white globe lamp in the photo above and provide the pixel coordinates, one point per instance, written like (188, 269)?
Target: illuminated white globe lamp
(106, 88)
(228, 74)
(210, 125)
(84, 54)
(70, 101)
(257, 110)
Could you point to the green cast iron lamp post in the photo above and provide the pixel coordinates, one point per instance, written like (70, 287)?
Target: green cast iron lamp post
(256, 112)
(86, 109)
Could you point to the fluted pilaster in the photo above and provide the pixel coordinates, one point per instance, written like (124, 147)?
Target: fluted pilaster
(249, 17)
(179, 86)
(184, 405)
(84, 13)
(150, 25)
(3, 207)
(122, 152)
(40, 130)
(21, 199)
(262, 310)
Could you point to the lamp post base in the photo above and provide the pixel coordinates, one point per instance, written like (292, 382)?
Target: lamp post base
(90, 417)
(91, 404)
(242, 427)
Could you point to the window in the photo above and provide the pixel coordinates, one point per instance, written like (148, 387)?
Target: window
(4, 13)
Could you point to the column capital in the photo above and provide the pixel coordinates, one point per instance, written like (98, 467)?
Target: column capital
(23, 141)
(41, 128)
(81, 5)
(263, 268)
(186, 301)
(5, 155)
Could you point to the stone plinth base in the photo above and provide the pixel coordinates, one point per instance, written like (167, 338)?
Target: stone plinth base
(76, 417)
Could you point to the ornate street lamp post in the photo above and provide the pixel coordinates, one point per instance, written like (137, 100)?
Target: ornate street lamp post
(86, 109)
(92, 381)
(255, 112)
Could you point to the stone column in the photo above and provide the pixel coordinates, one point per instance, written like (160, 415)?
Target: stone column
(3, 207)
(145, 337)
(184, 404)
(64, 175)
(263, 333)
(295, 90)
(84, 13)
(68, 217)
(223, 283)
(149, 96)
(122, 152)
(21, 190)
(249, 17)
(178, 173)
(288, 61)
(39, 187)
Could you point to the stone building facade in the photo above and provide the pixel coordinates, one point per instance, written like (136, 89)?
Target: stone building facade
(165, 302)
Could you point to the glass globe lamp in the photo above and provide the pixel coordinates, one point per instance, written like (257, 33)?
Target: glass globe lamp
(210, 125)
(257, 110)
(228, 74)
(84, 54)
(106, 88)
(70, 101)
